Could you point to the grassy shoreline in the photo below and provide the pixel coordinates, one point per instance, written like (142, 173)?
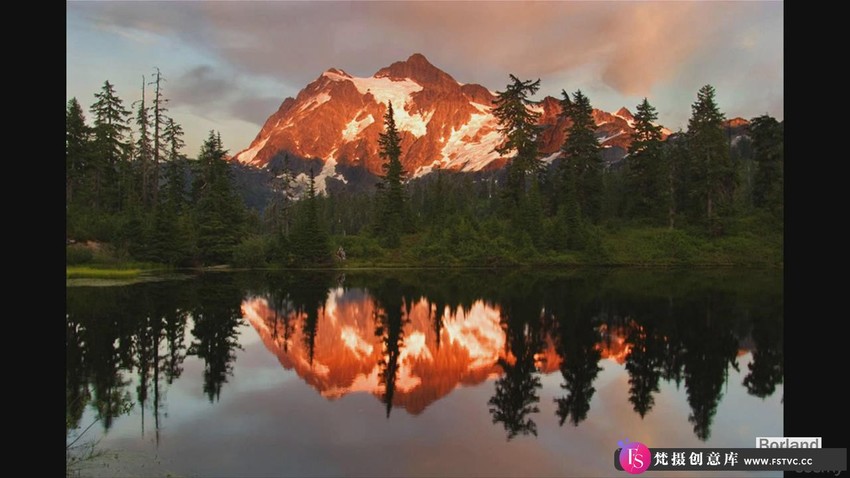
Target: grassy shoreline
(98, 272)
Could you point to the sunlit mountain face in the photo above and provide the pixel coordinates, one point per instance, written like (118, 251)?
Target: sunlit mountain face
(334, 122)
(342, 347)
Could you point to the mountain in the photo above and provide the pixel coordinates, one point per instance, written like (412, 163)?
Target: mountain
(335, 121)
(343, 354)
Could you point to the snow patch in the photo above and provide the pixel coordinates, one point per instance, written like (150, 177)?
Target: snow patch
(423, 170)
(480, 107)
(385, 90)
(629, 121)
(336, 74)
(416, 124)
(470, 147)
(354, 127)
(606, 138)
(478, 331)
(315, 101)
(328, 171)
(247, 156)
(551, 157)
(415, 347)
(358, 346)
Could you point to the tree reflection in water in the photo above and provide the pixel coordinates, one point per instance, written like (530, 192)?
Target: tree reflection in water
(129, 343)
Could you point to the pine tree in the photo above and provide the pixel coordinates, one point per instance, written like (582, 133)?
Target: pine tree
(110, 127)
(391, 199)
(218, 208)
(159, 122)
(77, 138)
(175, 184)
(675, 158)
(569, 213)
(582, 154)
(518, 125)
(310, 241)
(279, 211)
(144, 148)
(715, 177)
(530, 218)
(714, 180)
(645, 171)
(768, 145)
(170, 241)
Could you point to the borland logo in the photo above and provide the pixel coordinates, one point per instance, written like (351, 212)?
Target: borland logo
(635, 457)
(788, 442)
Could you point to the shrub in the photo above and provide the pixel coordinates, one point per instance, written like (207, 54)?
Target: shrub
(361, 247)
(251, 252)
(78, 254)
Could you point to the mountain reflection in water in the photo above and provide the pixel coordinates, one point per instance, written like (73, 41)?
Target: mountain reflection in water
(412, 338)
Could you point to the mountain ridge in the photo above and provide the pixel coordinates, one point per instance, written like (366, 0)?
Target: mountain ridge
(444, 124)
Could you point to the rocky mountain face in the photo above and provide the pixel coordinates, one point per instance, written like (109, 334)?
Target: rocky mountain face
(335, 121)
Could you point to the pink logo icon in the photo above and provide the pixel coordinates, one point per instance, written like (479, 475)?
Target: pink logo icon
(635, 457)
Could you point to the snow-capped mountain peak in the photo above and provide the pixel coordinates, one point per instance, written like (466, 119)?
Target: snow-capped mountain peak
(444, 124)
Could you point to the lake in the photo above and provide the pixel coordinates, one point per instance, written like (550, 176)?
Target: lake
(421, 372)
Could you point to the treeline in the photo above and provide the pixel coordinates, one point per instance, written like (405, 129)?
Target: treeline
(687, 193)
(135, 190)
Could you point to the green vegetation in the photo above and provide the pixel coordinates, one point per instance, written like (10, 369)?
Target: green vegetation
(391, 217)
(84, 272)
(465, 246)
(518, 125)
(581, 168)
(693, 198)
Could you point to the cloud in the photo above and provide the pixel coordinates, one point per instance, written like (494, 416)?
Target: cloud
(209, 92)
(633, 44)
(254, 109)
(617, 51)
(201, 85)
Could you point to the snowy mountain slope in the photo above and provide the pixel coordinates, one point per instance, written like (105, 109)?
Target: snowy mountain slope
(444, 124)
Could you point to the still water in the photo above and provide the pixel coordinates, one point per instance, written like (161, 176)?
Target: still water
(423, 373)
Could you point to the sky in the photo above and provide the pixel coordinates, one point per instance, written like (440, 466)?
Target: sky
(229, 65)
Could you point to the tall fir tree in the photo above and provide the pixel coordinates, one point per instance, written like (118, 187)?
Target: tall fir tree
(310, 242)
(171, 238)
(175, 174)
(143, 147)
(219, 210)
(582, 154)
(569, 212)
(676, 158)
(77, 145)
(279, 210)
(110, 148)
(519, 128)
(159, 122)
(769, 152)
(645, 169)
(391, 198)
(714, 176)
